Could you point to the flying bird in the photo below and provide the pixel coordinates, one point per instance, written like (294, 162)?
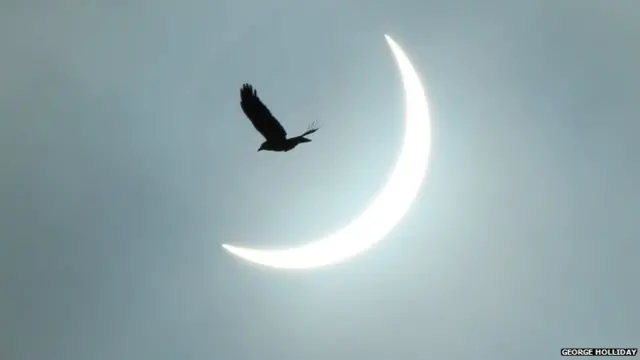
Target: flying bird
(267, 125)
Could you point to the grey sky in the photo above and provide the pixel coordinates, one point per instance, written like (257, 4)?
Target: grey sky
(126, 161)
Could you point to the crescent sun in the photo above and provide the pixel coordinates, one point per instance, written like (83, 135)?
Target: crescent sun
(387, 209)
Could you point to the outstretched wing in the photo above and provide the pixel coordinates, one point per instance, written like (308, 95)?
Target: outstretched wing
(260, 115)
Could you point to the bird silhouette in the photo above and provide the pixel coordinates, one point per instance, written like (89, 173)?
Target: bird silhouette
(275, 135)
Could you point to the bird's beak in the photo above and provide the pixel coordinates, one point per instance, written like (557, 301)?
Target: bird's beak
(260, 149)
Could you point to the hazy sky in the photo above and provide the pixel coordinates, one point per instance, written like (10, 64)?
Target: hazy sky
(126, 161)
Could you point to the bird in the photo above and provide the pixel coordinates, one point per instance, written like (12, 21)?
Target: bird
(274, 133)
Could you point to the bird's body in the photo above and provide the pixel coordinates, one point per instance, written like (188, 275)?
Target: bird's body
(261, 118)
(286, 145)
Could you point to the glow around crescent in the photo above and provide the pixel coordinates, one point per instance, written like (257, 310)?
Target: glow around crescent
(387, 209)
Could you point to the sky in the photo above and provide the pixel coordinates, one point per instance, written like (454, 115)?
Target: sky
(126, 162)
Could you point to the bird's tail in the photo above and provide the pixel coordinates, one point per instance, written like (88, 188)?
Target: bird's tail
(310, 130)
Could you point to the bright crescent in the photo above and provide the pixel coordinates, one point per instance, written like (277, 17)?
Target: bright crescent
(387, 209)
